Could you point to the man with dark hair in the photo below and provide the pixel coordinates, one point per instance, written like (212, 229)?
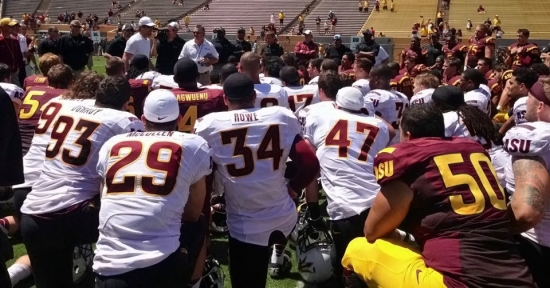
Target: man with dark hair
(194, 102)
(168, 49)
(117, 45)
(224, 47)
(157, 257)
(255, 225)
(271, 48)
(407, 173)
(367, 48)
(329, 65)
(75, 49)
(484, 66)
(522, 53)
(542, 70)
(59, 213)
(518, 89)
(227, 70)
(361, 70)
(299, 96)
(49, 44)
(266, 94)
(314, 69)
(346, 66)
(241, 45)
(271, 68)
(451, 71)
(400, 81)
(470, 82)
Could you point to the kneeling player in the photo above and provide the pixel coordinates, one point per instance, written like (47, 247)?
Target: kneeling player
(445, 190)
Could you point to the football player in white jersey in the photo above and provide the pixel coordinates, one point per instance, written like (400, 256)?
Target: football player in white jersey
(15, 92)
(388, 104)
(250, 148)
(346, 141)
(529, 207)
(299, 96)
(59, 213)
(423, 88)
(272, 66)
(314, 70)
(518, 89)
(152, 181)
(361, 69)
(266, 94)
(473, 95)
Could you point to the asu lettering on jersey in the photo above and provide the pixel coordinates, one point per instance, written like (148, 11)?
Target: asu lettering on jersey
(146, 182)
(403, 84)
(532, 140)
(139, 89)
(422, 97)
(346, 145)
(34, 159)
(31, 109)
(196, 104)
(458, 211)
(14, 92)
(270, 95)
(250, 148)
(520, 107)
(34, 81)
(476, 48)
(525, 56)
(301, 96)
(68, 173)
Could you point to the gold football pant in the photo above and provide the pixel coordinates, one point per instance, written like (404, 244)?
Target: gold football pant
(389, 263)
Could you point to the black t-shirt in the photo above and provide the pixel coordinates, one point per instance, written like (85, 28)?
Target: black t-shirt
(272, 50)
(116, 47)
(75, 50)
(47, 46)
(168, 53)
(11, 155)
(432, 53)
(224, 48)
(241, 46)
(336, 54)
(368, 47)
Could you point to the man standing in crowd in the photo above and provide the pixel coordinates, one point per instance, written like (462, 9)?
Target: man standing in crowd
(202, 52)
(337, 51)
(49, 44)
(18, 34)
(139, 43)
(75, 49)
(117, 45)
(522, 53)
(10, 52)
(314, 70)
(241, 45)
(307, 49)
(367, 48)
(271, 48)
(168, 49)
(223, 46)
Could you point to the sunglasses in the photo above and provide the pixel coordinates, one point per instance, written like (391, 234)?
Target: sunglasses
(196, 33)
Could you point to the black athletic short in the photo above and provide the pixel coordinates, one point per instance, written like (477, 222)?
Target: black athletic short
(537, 258)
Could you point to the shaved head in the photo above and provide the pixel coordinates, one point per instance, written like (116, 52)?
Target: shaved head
(250, 63)
(114, 66)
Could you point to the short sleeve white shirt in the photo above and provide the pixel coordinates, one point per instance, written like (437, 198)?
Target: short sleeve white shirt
(138, 44)
(195, 52)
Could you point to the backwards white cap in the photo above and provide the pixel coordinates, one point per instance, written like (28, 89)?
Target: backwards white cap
(350, 98)
(161, 106)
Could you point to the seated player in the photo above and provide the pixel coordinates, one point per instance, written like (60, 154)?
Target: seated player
(361, 70)
(139, 224)
(444, 191)
(299, 96)
(423, 88)
(451, 71)
(45, 62)
(266, 94)
(15, 92)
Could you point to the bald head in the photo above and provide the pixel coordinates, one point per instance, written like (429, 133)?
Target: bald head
(114, 66)
(250, 63)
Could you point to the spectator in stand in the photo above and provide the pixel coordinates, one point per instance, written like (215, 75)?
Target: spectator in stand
(440, 15)
(331, 15)
(49, 44)
(169, 49)
(336, 52)
(306, 49)
(271, 48)
(469, 25)
(360, 6)
(480, 10)
(281, 19)
(186, 21)
(367, 48)
(10, 51)
(496, 22)
(139, 43)
(110, 13)
(79, 14)
(333, 23)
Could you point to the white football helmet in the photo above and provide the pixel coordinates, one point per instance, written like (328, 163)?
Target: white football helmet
(212, 276)
(83, 256)
(313, 254)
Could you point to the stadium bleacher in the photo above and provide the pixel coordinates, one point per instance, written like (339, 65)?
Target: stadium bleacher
(17, 8)
(349, 18)
(162, 11)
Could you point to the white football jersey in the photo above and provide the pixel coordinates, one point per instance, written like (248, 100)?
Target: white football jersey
(477, 98)
(423, 96)
(314, 80)
(384, 103)
(528, 140)
(15, 92)
(270, 95)
(323, 105)
(271, 81)
(301, 96)
(33, 160)
(485, 90)
(250, 148)
(455, 127)
(346, 168)
(146, 180)
(68, 174)
(520, 107)
(363, 85)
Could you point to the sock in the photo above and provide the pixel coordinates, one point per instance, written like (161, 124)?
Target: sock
(18, 272)
(277, 256)
(5, 223)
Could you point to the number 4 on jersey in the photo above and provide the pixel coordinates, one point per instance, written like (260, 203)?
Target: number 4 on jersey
(338, 136)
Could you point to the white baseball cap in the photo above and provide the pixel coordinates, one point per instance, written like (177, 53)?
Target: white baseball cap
(161, 106)
(350, 98)
(174, 25)
(146, 21)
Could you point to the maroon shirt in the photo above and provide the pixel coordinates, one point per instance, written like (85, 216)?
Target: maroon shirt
(140, 89)
(460, 222)
(476, 49)
(34, 81)
(196, 104)
(10, 53)
(311, 50)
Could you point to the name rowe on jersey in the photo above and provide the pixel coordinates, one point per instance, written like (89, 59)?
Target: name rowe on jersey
(171, 168)
(65, 190)
(346, 141)
(266, 94)
(250, 147)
